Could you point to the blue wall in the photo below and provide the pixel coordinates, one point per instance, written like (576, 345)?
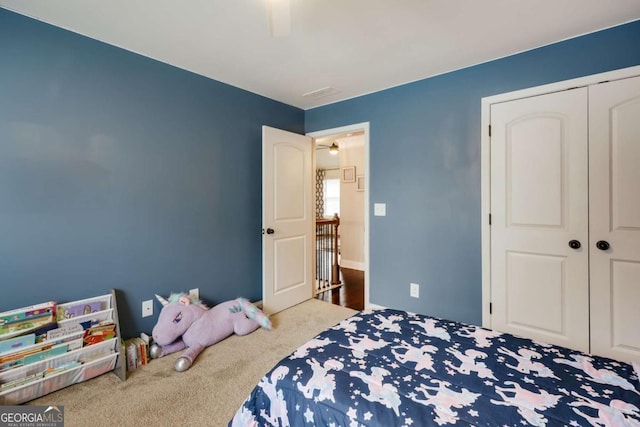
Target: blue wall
(425, 165)
(117, 171)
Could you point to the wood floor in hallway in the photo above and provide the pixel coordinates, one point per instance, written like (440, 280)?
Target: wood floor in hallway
(350, 294)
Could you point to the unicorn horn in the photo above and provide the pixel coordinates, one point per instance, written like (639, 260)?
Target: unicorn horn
(162, 300)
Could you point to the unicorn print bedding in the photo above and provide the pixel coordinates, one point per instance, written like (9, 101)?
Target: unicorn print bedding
(393, 368)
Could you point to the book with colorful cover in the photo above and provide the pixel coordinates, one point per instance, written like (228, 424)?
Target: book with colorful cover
(142, 351)
(45, 354)
(15, 344)
(10, 365)
(79, 310)
(21, 354)
(99, 333)
(41, 332)
(27, 319)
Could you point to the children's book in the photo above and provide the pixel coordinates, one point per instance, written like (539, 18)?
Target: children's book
(45, 354)
(10, 365)
(21, 354)
(65, 367)
(21, 381)
(14, 344)
(41, 332)
(132, 354)
(27, 319)
(79, 310)
(99, 333)
(64, 331)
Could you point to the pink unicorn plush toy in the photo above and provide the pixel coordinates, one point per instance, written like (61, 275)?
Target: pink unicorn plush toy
(185, 322)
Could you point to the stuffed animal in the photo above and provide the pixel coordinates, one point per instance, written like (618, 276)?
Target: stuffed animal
(185, 322)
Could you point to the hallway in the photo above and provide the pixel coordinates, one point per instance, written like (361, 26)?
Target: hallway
(350, 294)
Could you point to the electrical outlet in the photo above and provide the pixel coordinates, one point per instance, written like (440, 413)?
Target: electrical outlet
(147, 308)
(414, 290)
(195, 292)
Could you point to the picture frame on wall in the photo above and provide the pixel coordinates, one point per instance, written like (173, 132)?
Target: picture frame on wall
(349, 174)
(360, 183)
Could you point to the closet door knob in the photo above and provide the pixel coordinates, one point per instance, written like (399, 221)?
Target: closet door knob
(603, 245)
(268, 231)
(574, 244)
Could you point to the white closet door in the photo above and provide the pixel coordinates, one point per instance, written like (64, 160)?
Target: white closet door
(614, 203)
(539, 285)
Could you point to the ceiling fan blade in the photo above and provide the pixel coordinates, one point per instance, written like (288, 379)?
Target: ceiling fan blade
(279, 17)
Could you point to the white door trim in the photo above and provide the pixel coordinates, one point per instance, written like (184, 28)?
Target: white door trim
(353, 128)
(485, 161)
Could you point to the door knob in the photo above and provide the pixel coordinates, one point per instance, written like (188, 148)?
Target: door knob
(268, 231)
(574, 244)
(603, 245)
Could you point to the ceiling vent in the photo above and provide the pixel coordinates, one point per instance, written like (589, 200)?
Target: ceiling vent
(321, 93)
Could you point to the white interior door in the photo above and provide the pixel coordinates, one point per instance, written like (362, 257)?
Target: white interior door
(287, 219)
(539, 284)
(614, 203)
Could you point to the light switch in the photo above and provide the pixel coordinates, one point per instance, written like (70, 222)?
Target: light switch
(380, 209)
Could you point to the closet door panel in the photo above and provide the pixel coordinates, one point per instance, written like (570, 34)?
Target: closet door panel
(624, 306)
(538, 204)
(625, 164)
(614, 208)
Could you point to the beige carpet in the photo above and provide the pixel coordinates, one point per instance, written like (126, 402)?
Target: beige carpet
(209, 393)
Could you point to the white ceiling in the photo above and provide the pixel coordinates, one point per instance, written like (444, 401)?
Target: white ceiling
(354, 46)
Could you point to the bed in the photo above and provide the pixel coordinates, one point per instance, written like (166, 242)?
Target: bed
(394, 368)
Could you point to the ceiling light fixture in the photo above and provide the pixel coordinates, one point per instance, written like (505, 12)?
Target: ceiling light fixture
(334, 149)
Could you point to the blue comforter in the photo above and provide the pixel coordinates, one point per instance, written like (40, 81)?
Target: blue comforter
(393, 368)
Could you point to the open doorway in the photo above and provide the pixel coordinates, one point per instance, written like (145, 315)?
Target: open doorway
(341, 200)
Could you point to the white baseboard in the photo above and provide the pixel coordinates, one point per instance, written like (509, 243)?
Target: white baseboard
(354, 265)
(371, 306)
